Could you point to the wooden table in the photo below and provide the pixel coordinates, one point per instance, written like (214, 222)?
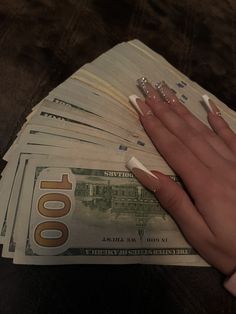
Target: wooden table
(42, 43)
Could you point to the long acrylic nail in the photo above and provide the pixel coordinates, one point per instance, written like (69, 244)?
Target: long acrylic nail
(166, 92)
(146, 177)
(146, 88)
(211, 106)
(141, 107)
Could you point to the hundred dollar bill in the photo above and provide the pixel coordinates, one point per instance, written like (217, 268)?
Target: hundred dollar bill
(88, 151)
(93, 212)
(84, 150)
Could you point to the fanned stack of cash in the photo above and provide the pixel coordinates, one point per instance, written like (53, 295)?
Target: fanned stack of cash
(66, 195)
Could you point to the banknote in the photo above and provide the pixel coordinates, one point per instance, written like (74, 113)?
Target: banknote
(47, 111)
(84, 150)
(6, 234)
(62, 149)
(66, 130)
(83, 134)
(113, 119)
(93, 212)
(78, 94)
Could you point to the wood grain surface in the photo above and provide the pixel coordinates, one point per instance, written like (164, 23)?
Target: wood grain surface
(42, 43)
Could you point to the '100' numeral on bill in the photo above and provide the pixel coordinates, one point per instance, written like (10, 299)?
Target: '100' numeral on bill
(52, 206)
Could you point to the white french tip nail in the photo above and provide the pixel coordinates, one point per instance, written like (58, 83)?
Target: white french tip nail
(133, 100)
(135, 163)
(207, 103)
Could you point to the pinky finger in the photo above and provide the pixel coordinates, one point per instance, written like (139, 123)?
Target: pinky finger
(219, 125)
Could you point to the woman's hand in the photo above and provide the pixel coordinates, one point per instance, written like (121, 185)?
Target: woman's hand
(205, 159)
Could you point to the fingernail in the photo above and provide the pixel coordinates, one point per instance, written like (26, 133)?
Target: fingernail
(146, 87)
(210, 106)
(134, 101)
(146, 177)
(166, 92)
(140, 106)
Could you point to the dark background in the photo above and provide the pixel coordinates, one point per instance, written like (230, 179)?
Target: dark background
(42, 42)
